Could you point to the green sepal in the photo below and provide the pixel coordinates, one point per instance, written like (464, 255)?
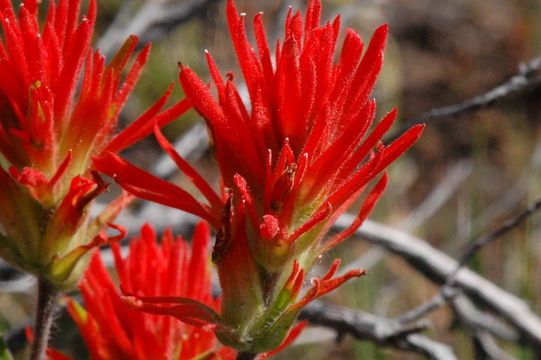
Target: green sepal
(274, 335)
(65, 271)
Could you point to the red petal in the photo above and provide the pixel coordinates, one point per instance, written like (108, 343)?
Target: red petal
(150, 187)
(144, 125)
(366, 209)
(196, 179)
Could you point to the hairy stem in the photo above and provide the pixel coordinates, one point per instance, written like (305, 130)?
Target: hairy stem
(47, 297)
(246, 356)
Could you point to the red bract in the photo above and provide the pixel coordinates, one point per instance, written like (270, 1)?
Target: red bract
(291, 162)
(112, 331)
(54, 117)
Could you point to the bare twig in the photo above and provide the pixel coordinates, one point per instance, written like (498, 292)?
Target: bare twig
(509, 225)
(191, 146)
(446, 292)
(484, 344)
(151, 22)
(382, 331)
(6, 271)
(438, 266)
(482, 320)
(526, 78)
(426, 308)
(512, 197)
(175, 15)
(22, 284)
(439, 196)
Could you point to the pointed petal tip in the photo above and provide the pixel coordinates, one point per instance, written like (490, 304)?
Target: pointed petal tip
(146, 49)
(416, 131)
(181, 66)
(380, 35)
(383, 29)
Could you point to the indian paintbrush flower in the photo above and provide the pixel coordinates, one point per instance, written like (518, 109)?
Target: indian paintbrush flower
(291, 162)
(54, 116)
(112, 331)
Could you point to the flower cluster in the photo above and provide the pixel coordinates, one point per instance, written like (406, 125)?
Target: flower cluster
(291, 162)
(54, 116)
(113, 331)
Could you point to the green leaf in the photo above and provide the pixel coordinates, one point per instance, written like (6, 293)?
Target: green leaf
(4, 352)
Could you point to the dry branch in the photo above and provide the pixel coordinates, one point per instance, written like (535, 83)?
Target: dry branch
(484, 344)
(438, 266)
(446, 292)
(382, 331)
(151, 22)
(526, 78)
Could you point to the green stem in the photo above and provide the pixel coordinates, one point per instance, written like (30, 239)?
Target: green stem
(47, 297)
(246, 356)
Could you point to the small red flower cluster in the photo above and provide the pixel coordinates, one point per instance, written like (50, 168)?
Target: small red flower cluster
(114, 332)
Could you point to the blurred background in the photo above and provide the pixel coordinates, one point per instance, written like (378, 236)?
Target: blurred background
(466, 176)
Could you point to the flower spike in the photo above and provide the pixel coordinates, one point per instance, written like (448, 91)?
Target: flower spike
(292, 160)
(59, 105)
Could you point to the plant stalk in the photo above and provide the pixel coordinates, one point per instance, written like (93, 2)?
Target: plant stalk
(47, 297)
(246, 356)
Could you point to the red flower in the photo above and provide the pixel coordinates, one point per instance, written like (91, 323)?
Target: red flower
(291, 163)
(54, 117)
(112, 331)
